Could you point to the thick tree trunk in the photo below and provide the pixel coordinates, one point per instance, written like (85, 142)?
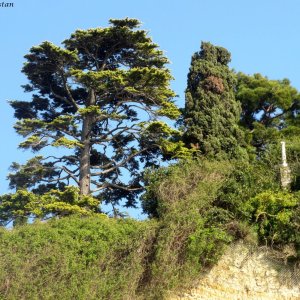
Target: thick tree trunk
(85, 167)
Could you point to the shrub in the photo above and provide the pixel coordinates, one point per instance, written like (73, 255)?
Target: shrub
(276, 215)
(245, 181)
(74, 258)
(189, 238)
(168, 186)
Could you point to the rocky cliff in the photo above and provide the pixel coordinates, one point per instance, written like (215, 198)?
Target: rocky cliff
(245, 272)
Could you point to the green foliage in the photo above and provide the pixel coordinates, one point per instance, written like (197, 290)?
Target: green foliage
(276, 215)
(264, 100)
(169, 140)
(96, 257)
(75, 258)
(190, 237)
(245, 181)
(25, 176)
(206, 245)
(24, 204)
(269, 107)
(167, 185)
(89, 98)
(67, 143)
(211, 114)
(197, 208)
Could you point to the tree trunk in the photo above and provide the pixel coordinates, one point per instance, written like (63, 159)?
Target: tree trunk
(85, 167)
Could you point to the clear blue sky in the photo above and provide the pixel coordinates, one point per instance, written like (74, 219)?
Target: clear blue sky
(263, 36)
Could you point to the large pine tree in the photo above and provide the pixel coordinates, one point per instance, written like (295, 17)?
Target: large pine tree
(211, 112)
(99, 98)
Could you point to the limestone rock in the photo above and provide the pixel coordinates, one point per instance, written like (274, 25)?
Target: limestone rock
(246, 273)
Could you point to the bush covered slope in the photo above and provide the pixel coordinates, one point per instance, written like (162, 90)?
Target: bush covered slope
(197, 208)
(103, 258)
(74, 258)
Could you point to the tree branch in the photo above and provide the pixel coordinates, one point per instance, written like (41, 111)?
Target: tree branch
(74, 104)
(119, 164)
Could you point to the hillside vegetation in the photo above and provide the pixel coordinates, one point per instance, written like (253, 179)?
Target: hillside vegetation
(102, 102)
(105, 258)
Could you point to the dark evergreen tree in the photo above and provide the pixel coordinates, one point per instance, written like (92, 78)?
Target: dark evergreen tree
(99, 98)
(211, 112)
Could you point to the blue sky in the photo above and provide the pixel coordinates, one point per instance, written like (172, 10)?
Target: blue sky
(263, 36)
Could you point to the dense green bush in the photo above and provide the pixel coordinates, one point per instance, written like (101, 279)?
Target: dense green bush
(241, 180)
(189, 238)
(276, 216)
(74, 258)
(168, 186)
(244, 182)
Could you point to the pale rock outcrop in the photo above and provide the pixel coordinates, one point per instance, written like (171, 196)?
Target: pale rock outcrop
(245, 272)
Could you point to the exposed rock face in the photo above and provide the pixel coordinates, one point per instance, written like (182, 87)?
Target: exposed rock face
(247, 273)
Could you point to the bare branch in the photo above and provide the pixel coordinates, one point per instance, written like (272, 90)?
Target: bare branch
(64, 99)
(119, 164)
(105, 138)
(70, 97)
(72, 174)
(56, 179)
(113, 185)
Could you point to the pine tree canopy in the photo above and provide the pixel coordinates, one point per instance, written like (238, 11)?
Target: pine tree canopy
(268, 107)
(265, 101)
(97, 100)
(211, 112)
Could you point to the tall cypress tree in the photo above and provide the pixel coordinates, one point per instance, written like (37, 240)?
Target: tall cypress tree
(211, 112)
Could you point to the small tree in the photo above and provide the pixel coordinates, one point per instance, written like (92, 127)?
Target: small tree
(99, 98)
(211, 113)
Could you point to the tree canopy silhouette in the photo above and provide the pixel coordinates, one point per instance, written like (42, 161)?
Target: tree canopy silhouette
(99, 97)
